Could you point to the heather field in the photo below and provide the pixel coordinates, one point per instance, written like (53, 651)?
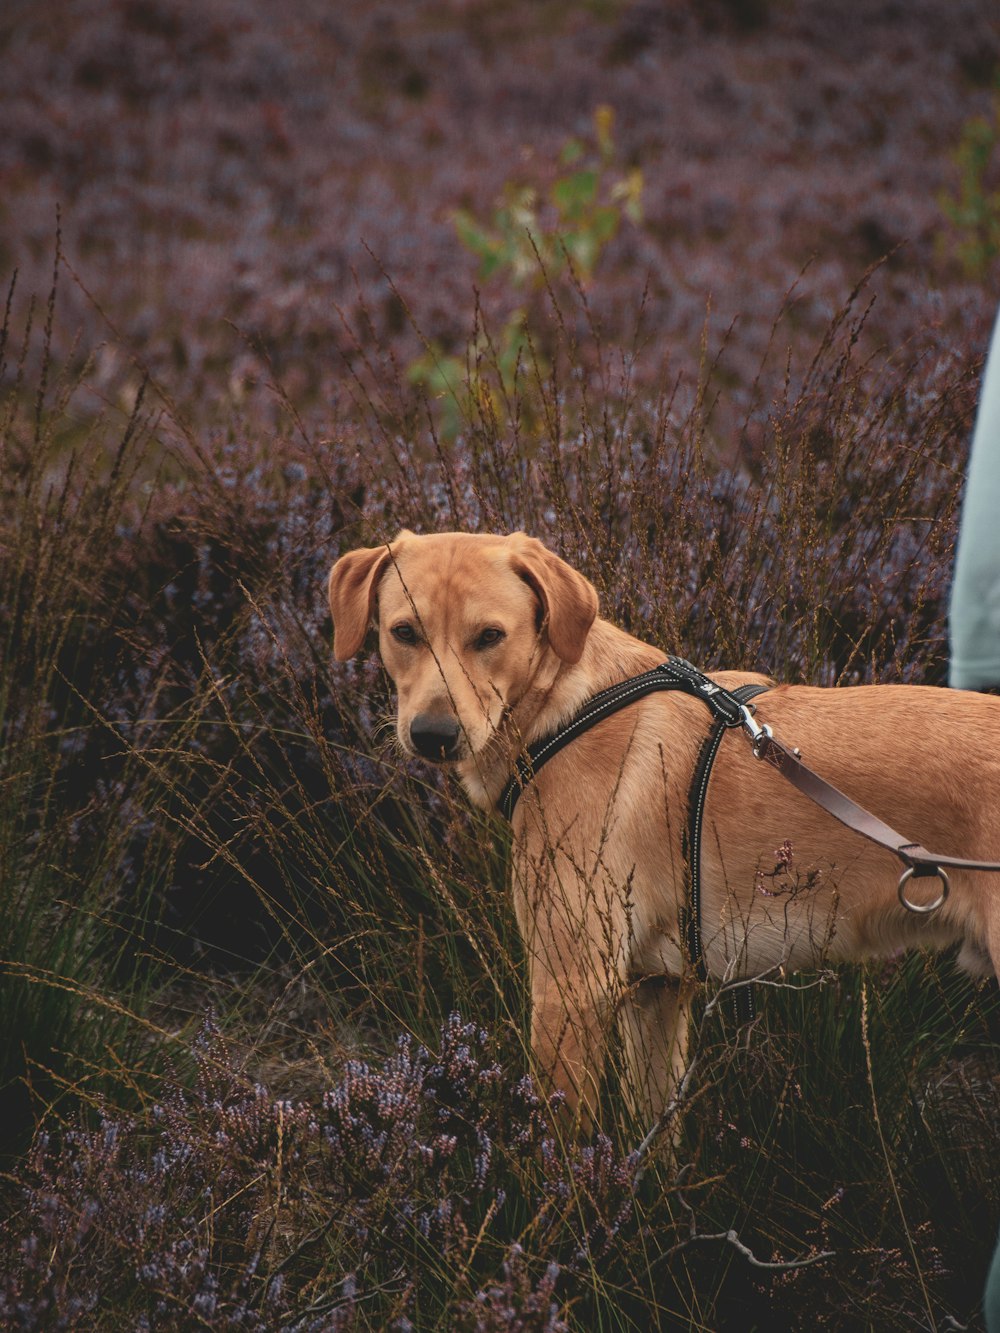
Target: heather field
(696, 292)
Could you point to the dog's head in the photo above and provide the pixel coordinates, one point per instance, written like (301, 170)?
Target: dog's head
(467, 626)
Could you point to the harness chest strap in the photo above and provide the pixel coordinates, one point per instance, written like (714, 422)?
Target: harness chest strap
(672, 674)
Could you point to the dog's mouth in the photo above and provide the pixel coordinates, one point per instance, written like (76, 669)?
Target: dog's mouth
(441, 759)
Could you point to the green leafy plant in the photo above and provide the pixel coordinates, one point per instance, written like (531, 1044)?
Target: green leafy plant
(531, 241)
(975, 209)
(469, 386)
(589, 201)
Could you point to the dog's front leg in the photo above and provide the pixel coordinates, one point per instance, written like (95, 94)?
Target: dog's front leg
(653, 1020)
(568, 1038)
(573, 929)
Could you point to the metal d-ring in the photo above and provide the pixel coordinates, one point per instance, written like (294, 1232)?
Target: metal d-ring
(923, 909)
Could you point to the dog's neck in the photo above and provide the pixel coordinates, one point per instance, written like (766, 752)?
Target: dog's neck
(556, 693)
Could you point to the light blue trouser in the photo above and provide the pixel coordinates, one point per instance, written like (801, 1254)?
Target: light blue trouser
(975, 608)
(991, 1299)
(975, 592)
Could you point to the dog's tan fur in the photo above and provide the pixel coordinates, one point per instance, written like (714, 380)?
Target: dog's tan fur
(598, 863)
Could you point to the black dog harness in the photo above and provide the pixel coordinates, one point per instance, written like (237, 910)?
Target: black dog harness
(728, 709)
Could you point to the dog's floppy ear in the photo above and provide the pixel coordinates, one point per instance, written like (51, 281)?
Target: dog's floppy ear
(352, 586)
(569, 601)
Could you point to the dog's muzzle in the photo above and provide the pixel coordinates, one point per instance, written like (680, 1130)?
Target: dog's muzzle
(435, 737)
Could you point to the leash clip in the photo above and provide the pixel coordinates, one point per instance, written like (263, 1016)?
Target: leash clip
(758, 734)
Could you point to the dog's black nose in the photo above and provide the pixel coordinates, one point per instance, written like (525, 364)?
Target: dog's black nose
(435, 737)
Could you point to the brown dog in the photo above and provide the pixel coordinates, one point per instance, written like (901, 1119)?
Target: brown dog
(493, 642)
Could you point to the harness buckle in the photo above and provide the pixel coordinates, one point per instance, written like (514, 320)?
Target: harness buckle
(725, 706)
(758, 734)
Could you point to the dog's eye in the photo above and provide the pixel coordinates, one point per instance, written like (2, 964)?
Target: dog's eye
(404, 633)
(489, 637)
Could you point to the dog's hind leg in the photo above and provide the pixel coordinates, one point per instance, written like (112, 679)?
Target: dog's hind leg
(653, 1021)
(979, 955)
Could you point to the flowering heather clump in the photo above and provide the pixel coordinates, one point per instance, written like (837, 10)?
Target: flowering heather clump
(514, 1305)
(223, 1207)
(166, 1214)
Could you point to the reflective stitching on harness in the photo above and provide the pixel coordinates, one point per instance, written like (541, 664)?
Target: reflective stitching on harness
(699, 793)
(743, 1000)
(625, 697)
(602, 705)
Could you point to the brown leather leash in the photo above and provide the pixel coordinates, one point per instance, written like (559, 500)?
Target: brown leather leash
(920, 863)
